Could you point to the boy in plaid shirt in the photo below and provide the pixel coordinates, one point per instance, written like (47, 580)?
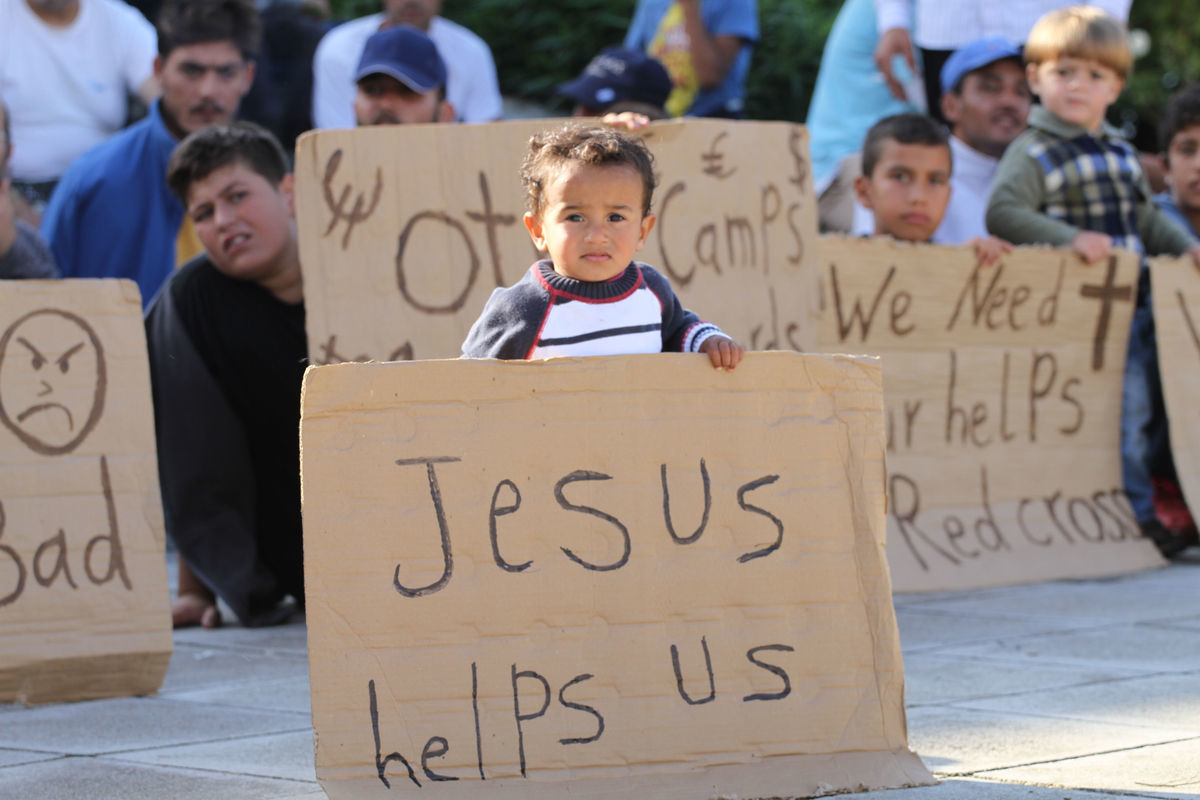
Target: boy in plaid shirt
(1070, 180)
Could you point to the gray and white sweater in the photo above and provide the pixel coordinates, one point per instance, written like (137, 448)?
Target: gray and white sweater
(546, 314)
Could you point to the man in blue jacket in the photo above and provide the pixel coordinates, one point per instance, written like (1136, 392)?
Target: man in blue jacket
(112, 215)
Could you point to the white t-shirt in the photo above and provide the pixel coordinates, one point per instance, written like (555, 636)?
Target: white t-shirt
(471, 84)
(949, 24)
(970, 185)
(66, 88)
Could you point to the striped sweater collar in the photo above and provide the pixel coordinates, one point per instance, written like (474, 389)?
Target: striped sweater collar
(602, 290)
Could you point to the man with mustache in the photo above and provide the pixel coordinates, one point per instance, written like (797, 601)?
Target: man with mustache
(986, 100)
(470, 85)
(112, 215)
(401, 80)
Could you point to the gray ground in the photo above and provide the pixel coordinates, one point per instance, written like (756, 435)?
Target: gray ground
(1072, 690)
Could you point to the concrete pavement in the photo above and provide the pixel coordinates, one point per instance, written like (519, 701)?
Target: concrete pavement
(1070, 690)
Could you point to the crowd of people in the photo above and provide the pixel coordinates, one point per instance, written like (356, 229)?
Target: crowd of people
(923, 127)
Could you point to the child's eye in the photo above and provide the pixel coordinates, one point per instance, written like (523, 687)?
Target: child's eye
(615, 217)
(201, 214)
(237, 197)
(575, 218)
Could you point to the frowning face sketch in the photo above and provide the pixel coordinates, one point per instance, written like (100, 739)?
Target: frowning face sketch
(52, 380)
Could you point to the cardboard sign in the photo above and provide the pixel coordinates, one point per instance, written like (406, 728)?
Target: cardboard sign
(1177, 325)
(1003, 400)
(84, 611)
(611, 577)
(406, 230)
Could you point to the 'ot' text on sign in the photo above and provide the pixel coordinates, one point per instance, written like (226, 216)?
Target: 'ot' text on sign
(1003, 399)
(405, 230)
(613, 577)
(1177, 325)
(83, 584)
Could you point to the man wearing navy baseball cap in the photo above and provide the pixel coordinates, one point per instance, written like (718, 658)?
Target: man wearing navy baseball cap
(401, 80)
(619, 79)
(986, 100)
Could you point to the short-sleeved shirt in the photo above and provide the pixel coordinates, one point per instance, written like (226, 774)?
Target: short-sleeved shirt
(657, 29)
(67, 88)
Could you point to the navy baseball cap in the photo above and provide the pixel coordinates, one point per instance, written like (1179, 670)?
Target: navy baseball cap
(976, 54)
(619, 74)
(407, 55)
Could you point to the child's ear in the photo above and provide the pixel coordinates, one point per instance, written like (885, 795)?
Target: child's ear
(534, 226)
(1031, 77)
(862, 190)
(647, 225)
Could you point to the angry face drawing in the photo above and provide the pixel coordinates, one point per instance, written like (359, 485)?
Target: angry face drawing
(52, 380)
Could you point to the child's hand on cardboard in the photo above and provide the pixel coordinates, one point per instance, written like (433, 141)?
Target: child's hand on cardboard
(1091, 246)
(626, 120)
(1194, 252)
(989, 249)
(723, 352)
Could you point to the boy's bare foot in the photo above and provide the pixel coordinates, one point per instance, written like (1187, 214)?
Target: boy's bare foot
(195, 609)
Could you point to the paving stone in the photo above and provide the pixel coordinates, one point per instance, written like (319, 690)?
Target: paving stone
(285, 755)
(964, 789)
(9, 758)
(957, 741)
(1154, 595)
(935, 678)
(194, 666)
(1165, 770)
(289, 638)
(1164, 701)
(285, 694)
(922, 628)
(136, 723)
(105, 779)
(1131, 646)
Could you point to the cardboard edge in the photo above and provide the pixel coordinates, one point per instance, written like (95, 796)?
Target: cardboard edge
(61, 680)
(778, 778)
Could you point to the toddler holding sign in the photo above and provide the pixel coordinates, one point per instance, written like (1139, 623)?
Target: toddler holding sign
(588, 192)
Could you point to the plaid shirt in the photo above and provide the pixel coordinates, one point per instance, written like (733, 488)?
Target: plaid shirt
(1093, 182)
(1057, 179)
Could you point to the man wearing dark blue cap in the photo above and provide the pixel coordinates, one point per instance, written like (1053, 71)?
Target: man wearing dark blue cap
(619, 79)
(401, 80)
(986, 100)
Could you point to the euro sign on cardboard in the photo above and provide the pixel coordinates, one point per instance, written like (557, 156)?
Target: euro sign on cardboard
(406, 230)
(84, 611)
(1003, 388)
(611, 577)
(1177, 325)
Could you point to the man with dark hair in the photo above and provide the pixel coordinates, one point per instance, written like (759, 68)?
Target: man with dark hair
(23, 254)
(401, 80)
(227, 384)
(986, 99)
(619, 79)
(471, 84)
(905, 181)
(112, 215)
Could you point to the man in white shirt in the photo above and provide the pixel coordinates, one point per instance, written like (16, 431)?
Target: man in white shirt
(942, 26)
(986, 100)
(67, 68)
(471, 84)
(401, 80)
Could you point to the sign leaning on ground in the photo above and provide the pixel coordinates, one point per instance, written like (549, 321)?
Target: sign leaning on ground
(521, 575)
(84, 611)
(1003, 390)
(1177, 322)
(406, 230)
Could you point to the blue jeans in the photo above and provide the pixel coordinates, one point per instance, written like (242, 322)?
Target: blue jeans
(1145, 447)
